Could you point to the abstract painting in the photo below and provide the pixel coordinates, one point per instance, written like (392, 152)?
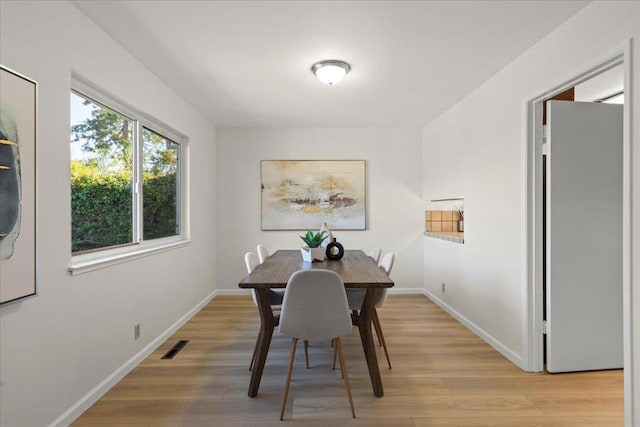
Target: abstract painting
(302, 194)
(18, 115)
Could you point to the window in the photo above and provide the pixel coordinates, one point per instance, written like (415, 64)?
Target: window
(159, 185)
(102, 200)
(125, 177)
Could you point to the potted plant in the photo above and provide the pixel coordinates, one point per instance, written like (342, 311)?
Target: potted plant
(313, 250)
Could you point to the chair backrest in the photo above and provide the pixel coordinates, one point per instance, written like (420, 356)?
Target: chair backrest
(315, 306)
(386, 264)
(374, 254)
(263, 253)
(251, 262)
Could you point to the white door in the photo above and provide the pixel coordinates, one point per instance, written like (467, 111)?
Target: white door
(584, 236)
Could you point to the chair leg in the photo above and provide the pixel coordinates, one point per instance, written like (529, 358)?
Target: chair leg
(292, 356)
(306, 352)
(335, 356)
(343, 368)
(378, 328)
(335, 353)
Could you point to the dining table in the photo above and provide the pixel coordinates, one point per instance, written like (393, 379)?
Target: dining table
(357, 270)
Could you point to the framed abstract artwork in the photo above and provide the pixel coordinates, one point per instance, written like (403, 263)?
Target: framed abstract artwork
(18, 127)
(302, 194)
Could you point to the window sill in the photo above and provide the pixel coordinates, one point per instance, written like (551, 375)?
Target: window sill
(85, 263)
(452, 236)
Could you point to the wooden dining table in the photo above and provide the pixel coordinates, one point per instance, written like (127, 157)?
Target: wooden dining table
(356, 269)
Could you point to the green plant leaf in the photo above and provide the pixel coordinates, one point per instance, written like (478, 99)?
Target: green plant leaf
(314, 239)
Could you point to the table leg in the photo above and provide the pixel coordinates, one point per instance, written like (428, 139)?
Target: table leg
(364, 326)
(267, 325)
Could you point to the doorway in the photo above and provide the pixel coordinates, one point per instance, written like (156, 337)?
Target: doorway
(534, 321)
(582, 225)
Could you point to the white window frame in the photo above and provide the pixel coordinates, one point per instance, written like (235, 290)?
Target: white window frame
(105, 257)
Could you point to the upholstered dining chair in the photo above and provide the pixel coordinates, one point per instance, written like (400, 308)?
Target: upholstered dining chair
(356, 296)
(263, 253)
(251, 261)
(315, 308)
(387, 262)
(374, 254)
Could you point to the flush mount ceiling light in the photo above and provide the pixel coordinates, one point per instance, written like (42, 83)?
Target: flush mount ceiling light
(331, 71)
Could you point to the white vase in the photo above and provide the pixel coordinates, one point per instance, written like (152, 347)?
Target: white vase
(325, 229)
(312, 254)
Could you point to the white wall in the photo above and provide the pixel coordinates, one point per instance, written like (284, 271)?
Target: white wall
(56, 347)
(485, 133)
(394, 194)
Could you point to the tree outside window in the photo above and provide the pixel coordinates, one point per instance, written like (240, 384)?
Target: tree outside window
(106, 209)
(160, 207)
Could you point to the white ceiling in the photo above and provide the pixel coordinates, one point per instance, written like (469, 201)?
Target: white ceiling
(247, 63)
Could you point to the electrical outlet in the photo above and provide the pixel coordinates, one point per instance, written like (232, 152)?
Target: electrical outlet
(443, 288)
(136, 331)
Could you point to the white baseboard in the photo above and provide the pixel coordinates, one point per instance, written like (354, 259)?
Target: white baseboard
(98, 391)
(501, 348)
(238, 291)
(392, 291)
(406, 291)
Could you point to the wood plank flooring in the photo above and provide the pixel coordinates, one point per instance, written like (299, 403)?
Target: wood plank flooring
(443, 376)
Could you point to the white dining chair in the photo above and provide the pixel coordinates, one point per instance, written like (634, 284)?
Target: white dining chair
(263, 253)
(251, 261)
(356, 296)
(374, 254)
(315, 308)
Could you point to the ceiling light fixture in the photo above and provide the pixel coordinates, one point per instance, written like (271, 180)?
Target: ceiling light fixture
(330, 71)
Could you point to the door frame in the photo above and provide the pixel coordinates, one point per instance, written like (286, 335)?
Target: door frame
(532, 323)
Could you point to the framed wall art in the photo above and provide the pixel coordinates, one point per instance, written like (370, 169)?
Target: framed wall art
(302, 194)
(18, 127)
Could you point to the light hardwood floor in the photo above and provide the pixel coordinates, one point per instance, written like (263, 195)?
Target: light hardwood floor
(443, 375)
